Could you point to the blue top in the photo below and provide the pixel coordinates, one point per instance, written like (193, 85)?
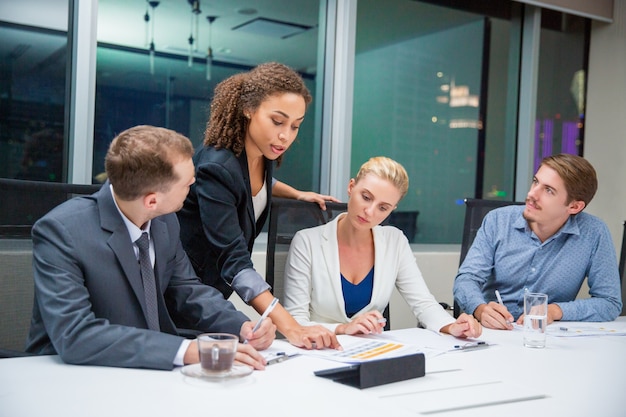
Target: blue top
(357, 296)
(507, 255)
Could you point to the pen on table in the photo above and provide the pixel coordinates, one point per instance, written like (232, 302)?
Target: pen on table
(266, 313)
(471, 346)
(502, 304)
(281, 357)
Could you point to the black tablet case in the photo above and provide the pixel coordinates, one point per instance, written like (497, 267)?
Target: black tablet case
(378, 372)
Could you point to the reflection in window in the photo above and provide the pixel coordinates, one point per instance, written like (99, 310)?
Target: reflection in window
(173, 90)
(32, 103)
(436, 88)
(559, 126)
(416, 99)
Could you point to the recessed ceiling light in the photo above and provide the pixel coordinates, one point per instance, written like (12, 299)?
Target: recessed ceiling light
(247, 11)
(272, 28)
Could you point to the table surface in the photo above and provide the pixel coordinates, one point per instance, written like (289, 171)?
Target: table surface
(573, 376)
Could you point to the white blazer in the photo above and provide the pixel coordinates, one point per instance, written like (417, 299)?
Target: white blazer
(313, 293)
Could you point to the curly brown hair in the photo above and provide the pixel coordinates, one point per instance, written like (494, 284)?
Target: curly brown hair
(245, 92)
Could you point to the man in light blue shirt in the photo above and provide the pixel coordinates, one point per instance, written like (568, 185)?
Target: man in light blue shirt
(546, 246)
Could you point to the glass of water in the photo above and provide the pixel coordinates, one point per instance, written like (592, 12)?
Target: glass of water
(535, 319)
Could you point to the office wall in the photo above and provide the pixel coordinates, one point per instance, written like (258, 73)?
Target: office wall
(605, 134)
(605, 144)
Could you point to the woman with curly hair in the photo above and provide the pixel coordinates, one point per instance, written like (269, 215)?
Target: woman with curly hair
(255, 117)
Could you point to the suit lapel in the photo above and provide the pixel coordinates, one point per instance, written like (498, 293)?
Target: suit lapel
(120, 243)
(243, 162)
(379, 256)
(330, 255)
(161, 238)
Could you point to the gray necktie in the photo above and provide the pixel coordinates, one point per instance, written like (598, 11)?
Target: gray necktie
(149, 283)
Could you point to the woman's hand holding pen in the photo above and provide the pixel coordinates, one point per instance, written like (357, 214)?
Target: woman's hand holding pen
(368, 323)
(464, 326)
(262, 337)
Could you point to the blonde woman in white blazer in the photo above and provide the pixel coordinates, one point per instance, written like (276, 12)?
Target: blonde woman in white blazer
(341, 274)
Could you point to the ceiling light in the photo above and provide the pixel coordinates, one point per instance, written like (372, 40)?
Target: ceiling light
(272, 28)
(248, 11)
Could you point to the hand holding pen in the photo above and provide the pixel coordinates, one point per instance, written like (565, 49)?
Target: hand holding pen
(508, 321)
(371, 322)
(265, 314)
(494, 315)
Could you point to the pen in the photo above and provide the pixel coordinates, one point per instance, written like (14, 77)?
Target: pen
(468, 346)
(502, 304)
(281, 357)
(382, 321)
(266, 313)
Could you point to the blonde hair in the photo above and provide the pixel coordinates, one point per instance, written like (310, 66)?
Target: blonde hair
(387, 169)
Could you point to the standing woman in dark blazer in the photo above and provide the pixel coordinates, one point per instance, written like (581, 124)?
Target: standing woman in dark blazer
(255, 117)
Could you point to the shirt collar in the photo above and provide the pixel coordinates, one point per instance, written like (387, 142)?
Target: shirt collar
(134, 231)
(570, 227)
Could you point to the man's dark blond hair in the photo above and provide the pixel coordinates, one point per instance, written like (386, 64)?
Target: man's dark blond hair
(578, 175)
(141, 160)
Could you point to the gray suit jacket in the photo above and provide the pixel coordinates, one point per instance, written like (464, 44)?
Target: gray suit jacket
(89, 305)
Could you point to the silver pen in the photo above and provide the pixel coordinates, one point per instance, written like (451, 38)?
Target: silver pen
(281, 357)
(502, 304)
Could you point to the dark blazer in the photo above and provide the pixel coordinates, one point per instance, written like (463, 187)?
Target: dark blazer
(89, 304)
(217, 219)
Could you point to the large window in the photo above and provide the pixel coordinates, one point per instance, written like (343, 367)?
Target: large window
(173, 89)
(32, 91)
(561, 85)
(420, 97)
(436, 87)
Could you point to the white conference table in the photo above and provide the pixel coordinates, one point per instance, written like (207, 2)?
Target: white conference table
(572, 376)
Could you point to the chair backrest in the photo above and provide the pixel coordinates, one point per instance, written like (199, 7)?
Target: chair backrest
(16, 294)
(23, 202)
(622, 268)
(287, 217)
(405, 221)
(475, 212)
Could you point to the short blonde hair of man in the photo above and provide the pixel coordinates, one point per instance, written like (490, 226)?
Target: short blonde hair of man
(386, 169)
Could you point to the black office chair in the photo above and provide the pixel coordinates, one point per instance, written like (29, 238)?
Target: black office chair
(287, 217)
(22, 203)
(475, 212)
(405, 221)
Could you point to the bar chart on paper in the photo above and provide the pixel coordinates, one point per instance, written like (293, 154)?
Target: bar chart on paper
(357, 350)
(369, 350)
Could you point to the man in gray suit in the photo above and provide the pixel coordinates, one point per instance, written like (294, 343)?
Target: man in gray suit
(91, 305)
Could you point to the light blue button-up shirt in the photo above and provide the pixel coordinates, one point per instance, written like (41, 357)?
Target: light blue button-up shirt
(507, 255)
